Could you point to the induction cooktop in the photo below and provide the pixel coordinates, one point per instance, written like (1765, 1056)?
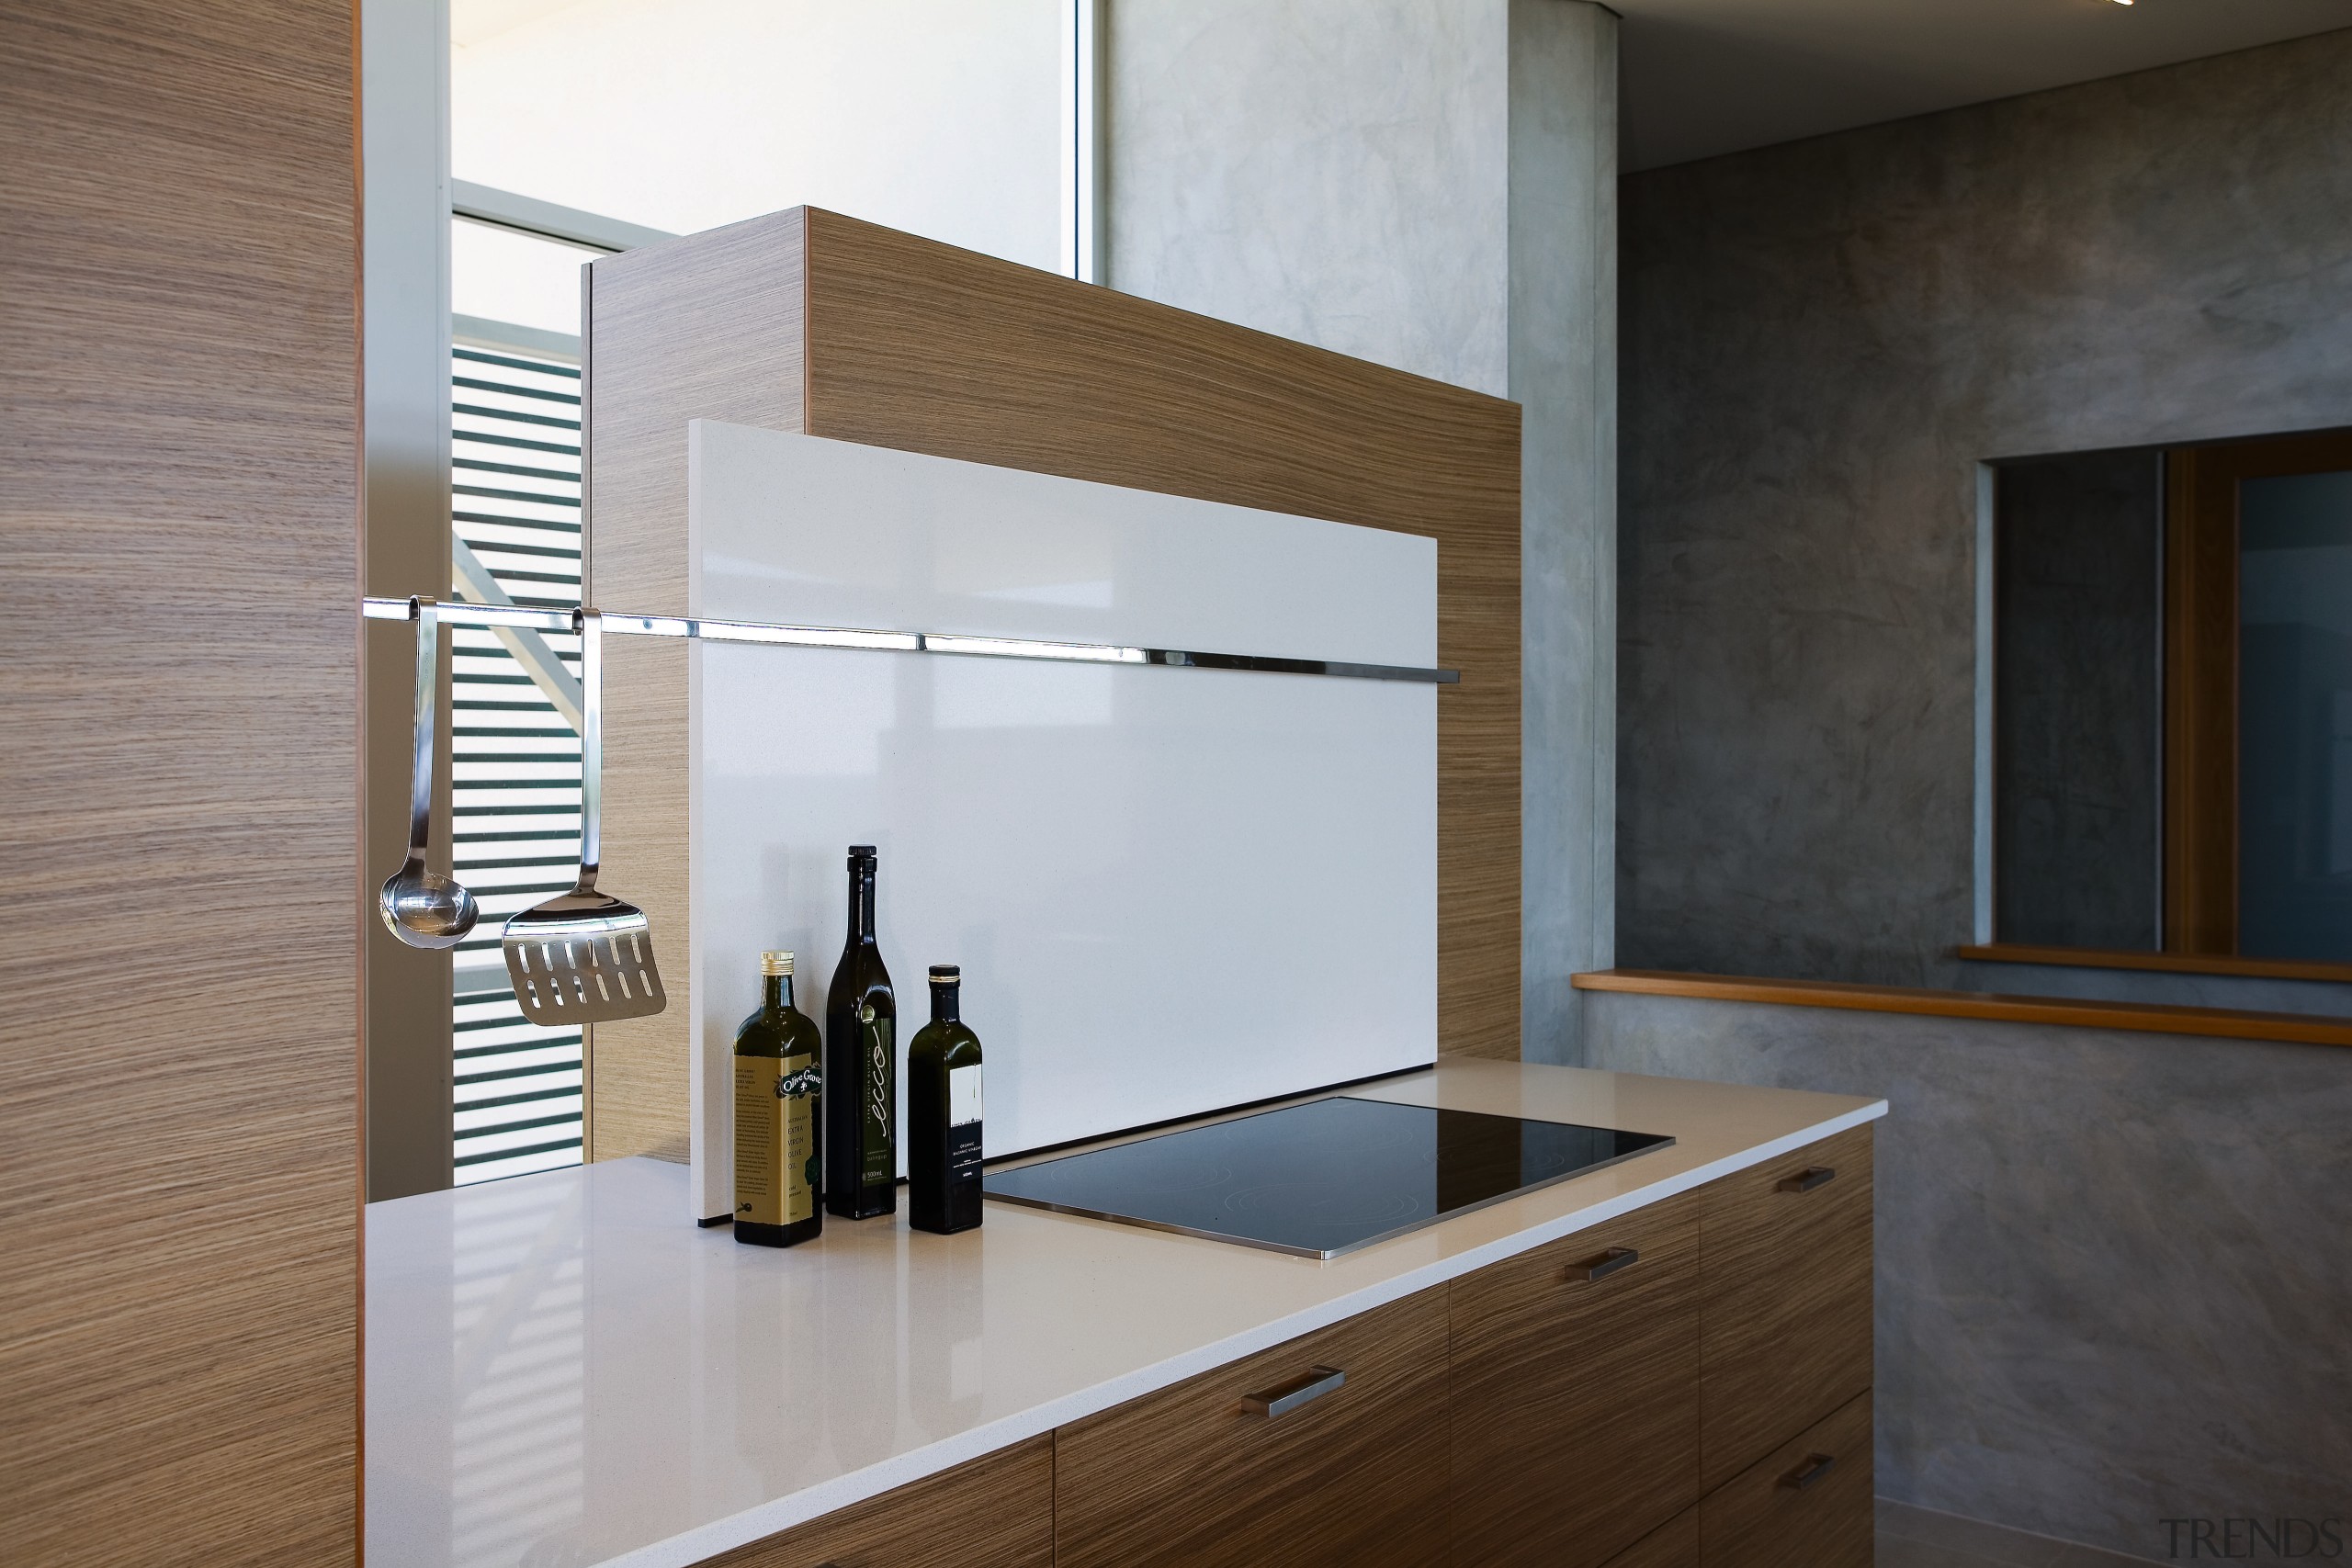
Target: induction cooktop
(1320, 1179)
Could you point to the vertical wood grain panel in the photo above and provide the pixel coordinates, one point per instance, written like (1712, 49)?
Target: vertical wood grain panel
(179, 556)
(706, 328)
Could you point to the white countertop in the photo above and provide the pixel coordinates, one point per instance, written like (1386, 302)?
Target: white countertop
(561, 1373)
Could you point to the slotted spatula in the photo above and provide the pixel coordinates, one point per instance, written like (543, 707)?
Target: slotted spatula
(584, 956)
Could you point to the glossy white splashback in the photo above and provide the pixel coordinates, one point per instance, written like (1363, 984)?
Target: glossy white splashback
(1170, 889)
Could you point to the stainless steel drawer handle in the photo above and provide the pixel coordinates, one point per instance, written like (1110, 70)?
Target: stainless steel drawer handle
(1602, 1265)
(1283, 1398)
(1818, 1176)
(1810, 1470)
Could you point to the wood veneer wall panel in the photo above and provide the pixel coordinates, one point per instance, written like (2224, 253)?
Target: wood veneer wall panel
(808, 321)
(179, 555)
(704, 328)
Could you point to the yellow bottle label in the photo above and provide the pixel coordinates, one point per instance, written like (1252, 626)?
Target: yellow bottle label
(775, 1139)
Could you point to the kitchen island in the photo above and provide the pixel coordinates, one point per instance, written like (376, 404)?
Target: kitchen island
(560, 1373)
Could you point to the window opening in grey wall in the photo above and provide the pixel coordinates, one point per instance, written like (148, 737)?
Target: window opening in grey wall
(2171, 700)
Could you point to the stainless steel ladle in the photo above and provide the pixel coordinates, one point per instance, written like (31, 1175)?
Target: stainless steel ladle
(421, 907)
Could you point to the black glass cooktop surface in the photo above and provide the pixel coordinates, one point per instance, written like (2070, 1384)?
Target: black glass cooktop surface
(1320, 1179)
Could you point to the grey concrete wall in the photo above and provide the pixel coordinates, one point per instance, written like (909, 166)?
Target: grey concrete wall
(2113, 1283)
(1564, 374)
(1821, 342)
(1430, 184)
(1333, 171)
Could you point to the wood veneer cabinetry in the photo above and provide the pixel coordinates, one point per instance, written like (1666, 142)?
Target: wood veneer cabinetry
(996, 1512)
(1193, 1477)
(1575, 1392)
(1784, 1315)
(1674, 1544)
(1704, 1405)
(1805, 1505)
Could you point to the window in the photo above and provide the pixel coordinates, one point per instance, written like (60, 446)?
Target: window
(2258, 698)
(2171, 766)
(945, 117)
(515, 753)
(578, 129)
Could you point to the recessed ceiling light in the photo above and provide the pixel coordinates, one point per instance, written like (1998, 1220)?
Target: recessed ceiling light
(2123, 1)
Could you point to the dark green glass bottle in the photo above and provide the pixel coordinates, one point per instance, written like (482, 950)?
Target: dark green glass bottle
(779, 1167)
(943, 1113)
(861, 1063)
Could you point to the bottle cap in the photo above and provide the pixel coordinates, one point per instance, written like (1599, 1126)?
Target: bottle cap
(861, 851)
(945, 972)
(775, 963)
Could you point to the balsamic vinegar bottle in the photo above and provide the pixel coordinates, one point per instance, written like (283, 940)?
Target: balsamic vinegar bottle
(861, 1063)
(778, 1170)
(943, 1114)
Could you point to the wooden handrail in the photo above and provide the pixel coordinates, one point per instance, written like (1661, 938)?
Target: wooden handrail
(2230, 1023)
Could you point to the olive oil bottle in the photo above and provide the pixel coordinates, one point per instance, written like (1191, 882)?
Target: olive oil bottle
(861, 1063)
(779, 1168)
(943, 1113)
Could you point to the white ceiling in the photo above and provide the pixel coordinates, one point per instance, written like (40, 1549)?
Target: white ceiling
(1700, 77)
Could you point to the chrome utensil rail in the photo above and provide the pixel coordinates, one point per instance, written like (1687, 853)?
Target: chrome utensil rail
(953, 644)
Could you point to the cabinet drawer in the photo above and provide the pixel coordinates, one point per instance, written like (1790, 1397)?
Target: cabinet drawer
(1784, 1320)
(996, 1512)
(1674, 1544)
(1575, 1400)
(1807, 1505)
(1195, 1475)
